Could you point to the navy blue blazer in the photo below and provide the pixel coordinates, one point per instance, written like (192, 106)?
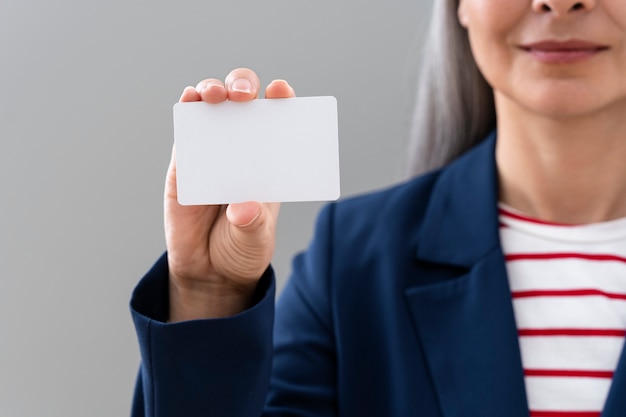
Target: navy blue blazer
(400, 307)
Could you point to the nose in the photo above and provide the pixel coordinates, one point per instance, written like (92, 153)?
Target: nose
(563, 7)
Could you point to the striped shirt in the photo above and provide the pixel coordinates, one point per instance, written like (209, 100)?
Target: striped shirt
(568, 284)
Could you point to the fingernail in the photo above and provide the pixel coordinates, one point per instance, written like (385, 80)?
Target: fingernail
(241, 85)
(205, 86)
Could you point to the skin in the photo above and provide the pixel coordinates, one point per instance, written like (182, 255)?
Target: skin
(216, 254)
(561, 141)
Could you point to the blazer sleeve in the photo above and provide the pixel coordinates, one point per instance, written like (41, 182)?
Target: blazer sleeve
(216, 368)
(232, 367)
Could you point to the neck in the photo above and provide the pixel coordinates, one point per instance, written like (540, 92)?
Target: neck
(566, 170)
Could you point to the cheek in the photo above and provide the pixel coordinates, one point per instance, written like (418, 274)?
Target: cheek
(616, 14)
(616, 10)
(494, 15)
(491, 55)
(492, 26)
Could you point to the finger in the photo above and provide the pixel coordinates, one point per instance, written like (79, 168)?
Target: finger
(182, 223)
(170, 180)
(212, 90)
(242, 84)
(279, 89)
(189, 94)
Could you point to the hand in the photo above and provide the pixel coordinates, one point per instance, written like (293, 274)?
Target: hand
(216, 254)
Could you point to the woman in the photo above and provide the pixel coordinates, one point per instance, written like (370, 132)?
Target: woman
(493, 286)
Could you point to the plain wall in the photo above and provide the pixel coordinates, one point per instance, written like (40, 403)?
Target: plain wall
(86, 95)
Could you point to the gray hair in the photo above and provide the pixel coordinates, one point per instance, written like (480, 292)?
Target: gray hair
(454, 109)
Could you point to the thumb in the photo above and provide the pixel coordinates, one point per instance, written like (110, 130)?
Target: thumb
(250, 232)
(250, 241)
(244, 215)
(253, 223)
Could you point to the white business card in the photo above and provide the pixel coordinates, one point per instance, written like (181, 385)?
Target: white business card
(274, 150)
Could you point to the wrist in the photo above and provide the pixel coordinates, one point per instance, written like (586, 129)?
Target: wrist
(202, 300)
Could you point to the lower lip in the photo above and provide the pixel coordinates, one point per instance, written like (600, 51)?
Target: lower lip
(563, 57)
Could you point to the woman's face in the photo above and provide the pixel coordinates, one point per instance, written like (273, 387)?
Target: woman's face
(559, 58)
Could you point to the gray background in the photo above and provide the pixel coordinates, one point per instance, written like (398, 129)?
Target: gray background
(86, 95)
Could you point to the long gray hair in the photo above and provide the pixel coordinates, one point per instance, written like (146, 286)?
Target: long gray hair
(454, 108)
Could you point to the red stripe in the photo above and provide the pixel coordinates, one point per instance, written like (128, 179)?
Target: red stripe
(565, 255)
(567, 293)
(537, 413)
(568, 373)
(531, 219)
(572, 332)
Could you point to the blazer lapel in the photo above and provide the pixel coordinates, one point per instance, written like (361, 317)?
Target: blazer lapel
(465, 324)
(467, 332)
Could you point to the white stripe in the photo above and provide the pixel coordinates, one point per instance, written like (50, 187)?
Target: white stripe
(568, 352)
(594, 312)
(572, 273)
(612, 230)
(555, 393)
(516, 240)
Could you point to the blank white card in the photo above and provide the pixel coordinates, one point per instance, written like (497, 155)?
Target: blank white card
(263, 150)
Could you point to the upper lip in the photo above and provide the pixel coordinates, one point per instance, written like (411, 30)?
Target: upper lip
(563, 46)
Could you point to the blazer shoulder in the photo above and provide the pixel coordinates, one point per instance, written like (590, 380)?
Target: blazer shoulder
(403, 204)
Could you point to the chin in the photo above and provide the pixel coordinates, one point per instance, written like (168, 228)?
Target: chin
(559, 104)
(562, 111)
(577, 110)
